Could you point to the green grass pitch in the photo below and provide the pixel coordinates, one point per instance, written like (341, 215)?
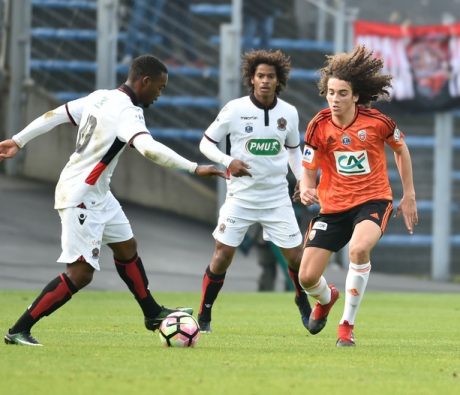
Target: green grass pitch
(407, 343)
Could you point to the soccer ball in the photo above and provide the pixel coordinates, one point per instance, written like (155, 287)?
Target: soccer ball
(179, 329)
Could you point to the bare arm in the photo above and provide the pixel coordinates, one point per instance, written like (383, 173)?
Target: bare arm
(407, 206)
(308, 194)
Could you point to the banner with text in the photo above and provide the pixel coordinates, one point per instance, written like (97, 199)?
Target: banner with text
(423, 60)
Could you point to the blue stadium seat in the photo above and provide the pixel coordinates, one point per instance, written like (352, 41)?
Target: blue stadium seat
(415, 240)
(75, 4)
(291, 43)
(427, 142)
(67, 34)
(175, 133)
(211, 9)
(164, 101)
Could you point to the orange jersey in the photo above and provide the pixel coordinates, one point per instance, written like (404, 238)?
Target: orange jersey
(352, 160)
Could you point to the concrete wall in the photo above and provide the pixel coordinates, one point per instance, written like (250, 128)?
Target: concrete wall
(136, 179)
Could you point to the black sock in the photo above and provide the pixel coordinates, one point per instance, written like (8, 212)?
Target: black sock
(54, 295)
(301, 295)
(294, 275)
(212, 284)
(133, 274)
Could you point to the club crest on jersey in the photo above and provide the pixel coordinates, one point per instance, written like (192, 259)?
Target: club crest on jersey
(346, 140)
(263, 147)
(248, 128)
(396, 135)
(352, 163)
(362, 135)
(308, 154)
(281, 124)
(95, 253)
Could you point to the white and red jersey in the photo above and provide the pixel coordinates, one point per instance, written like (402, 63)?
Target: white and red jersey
(258, 136)
(107, 120)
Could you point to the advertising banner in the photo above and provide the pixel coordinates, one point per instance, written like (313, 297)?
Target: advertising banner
(423, 60)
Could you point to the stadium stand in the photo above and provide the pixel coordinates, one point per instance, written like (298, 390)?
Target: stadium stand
(63, 62)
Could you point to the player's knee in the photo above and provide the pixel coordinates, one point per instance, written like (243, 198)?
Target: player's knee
(359, 253)
(80, 273)
(124, 250)
(306, 279)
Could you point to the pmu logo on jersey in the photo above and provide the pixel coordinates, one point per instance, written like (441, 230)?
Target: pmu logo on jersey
(352, 163)
(266, 147)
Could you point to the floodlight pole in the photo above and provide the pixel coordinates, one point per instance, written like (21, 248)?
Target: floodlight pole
(442, 196)
(107, 40)
(229, 77)
(19, 73)
(341, 18)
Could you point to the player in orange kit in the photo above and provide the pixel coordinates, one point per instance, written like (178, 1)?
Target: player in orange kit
(346, 142)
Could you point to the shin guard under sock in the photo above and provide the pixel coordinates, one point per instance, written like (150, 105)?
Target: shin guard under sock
(212, 284)
(56, 293)
(133, 274)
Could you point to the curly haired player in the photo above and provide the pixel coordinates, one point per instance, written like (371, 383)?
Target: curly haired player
(263, 135)
(346, 142)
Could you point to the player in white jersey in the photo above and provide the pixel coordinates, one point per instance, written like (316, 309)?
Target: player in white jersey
(263, 136)
(108, 121)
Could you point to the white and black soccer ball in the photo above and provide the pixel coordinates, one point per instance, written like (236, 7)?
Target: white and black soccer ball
(179, 329)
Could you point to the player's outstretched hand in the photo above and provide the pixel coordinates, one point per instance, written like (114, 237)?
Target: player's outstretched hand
(209, 171)
(8, 149)
(238, 168)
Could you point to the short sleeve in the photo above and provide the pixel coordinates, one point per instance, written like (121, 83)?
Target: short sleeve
(293, 137)
(311, 153)
(394, 138)
(221, 125)
(131, 122)
(75, 109)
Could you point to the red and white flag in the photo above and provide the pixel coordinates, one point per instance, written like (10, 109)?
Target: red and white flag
(423, 60)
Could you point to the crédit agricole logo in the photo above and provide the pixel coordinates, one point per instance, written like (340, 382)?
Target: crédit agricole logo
(352, 163)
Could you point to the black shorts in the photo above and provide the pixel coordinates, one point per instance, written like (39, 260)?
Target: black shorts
(333, 231)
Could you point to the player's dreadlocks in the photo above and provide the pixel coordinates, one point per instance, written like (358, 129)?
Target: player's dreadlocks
(361, 69)
(276, 58)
